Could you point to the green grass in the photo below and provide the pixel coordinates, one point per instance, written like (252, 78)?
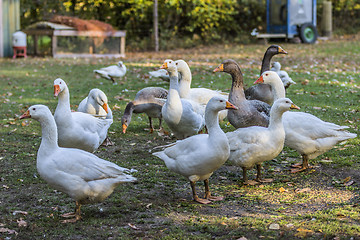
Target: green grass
(160, 204)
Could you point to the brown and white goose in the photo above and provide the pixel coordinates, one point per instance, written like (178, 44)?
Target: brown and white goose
(149, 100)
(250, 112)
(262, 92)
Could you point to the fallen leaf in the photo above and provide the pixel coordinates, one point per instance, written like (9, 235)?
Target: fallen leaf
(9, 231)
(347, 179)
(349, 183)
(21, 223)
(303, 190)
(274, 226)
(242, 238)
(20, 212)
(282, 190)
(133, 226)
(302, 232)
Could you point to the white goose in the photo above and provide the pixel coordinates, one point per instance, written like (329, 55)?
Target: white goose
(82, 175)
(77, 129)
(96, 103)
(197, 157)
(160, 73)
(197, 95)
(113, 71)
(305, 133)
(253, 145)
(179, 114)
(284, 76)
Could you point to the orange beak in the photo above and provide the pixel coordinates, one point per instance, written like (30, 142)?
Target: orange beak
(260, 80)
(105, 107)
(229, 105)
(293, 106)
(219, 68)
(281, 50)
(26, 115)
(124, 128)
(164, 66)
(57, 90)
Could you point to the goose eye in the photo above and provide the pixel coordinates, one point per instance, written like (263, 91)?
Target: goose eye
(221, 101)
(34, 109)
(176, 63)
(267, 74)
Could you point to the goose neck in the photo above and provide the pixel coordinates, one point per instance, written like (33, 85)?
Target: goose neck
(64, 100)
(49, 139)
(212, 122)
(275, 119)
(278, 90)
(185, 82)
(265, 64)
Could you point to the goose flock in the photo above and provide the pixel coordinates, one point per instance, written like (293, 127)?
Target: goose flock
(260, 115)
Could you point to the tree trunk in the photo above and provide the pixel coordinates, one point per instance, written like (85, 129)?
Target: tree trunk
(156, 30)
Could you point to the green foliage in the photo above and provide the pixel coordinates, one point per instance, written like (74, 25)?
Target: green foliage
(182, 23)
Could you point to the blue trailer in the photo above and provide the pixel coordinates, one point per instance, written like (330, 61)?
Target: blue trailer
(289, 19)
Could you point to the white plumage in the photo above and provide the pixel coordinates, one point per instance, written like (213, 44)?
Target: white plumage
(306, 133)
(284, 76)
(179, 114)
(82, 175)
(197, 157)
(96, 103)
(77, 129)
(253, 145)
(113, 71)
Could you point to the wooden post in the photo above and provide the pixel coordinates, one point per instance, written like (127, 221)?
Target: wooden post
(53, 45)
(156, 30)
(1, 30)
(327, 19)
(122, 46)
(35, 37)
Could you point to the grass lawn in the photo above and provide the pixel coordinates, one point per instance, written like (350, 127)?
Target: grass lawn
(321, 203)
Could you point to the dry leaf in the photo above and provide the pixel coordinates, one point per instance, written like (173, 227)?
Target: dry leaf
(242, 238)
(304, 190)
(9, 231)
(302, 232)
(282, 190)
(274, 226)
(20, 212)
(21, 223)
(133, 226)
(349, 183)
(347, 179)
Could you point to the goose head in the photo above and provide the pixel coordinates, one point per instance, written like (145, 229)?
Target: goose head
(268, 77)
(99, 98)
(218, 103)
(275, 49)
(169, 65)
(182, 65)
(125, 121)
(284, 104)
(228, 66)
(59, 86)
(120, 64)
(36, 112)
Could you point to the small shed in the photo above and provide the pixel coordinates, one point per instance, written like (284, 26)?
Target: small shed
(9, 23)
(66, 41)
